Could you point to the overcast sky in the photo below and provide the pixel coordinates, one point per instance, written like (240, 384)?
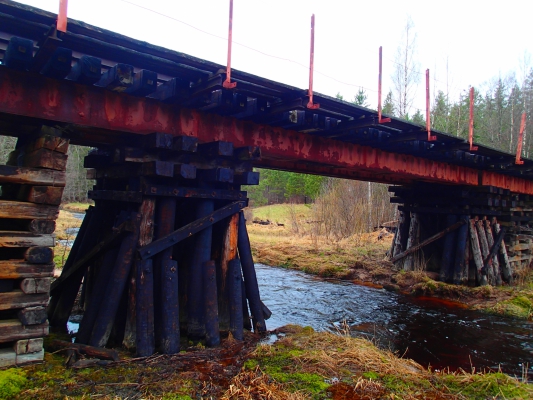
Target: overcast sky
(462, 42)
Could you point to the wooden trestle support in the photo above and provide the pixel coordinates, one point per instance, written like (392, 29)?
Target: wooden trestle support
(164, 249)
(468, 235)
(32, 184)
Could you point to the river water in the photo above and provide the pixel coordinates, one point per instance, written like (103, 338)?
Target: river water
(428, 331)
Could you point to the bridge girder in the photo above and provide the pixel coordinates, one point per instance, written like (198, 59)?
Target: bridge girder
(102, 116)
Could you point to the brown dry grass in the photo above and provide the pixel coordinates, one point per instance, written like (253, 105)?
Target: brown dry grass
(64, 221)
(278, 246)
(255, 384)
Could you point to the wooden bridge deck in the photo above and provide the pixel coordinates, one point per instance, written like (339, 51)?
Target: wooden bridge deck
(187, 98)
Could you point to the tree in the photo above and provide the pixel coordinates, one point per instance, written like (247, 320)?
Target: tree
(407, 71)
(440, 114)
(388, 105)
(360, 99)
(418, 118)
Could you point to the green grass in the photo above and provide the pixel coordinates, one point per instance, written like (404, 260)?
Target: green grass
(282, 213)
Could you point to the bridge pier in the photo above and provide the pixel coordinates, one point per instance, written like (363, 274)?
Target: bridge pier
(31, 184)
(153, 255)
(468, 235)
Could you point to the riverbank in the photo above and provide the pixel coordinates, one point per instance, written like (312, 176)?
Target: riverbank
(301, 364)
(287, 241)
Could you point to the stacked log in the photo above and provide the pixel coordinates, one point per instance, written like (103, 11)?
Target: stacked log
(32, 184)
(469, 235)
(164, 253)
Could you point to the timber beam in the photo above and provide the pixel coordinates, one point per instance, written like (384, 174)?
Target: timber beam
(93, 108)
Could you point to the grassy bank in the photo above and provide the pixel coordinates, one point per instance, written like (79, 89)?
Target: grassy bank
(289, 241)
(302, 364)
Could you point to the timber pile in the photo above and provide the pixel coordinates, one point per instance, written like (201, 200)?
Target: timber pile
(32, 184)
(469, 235)
(165, 248)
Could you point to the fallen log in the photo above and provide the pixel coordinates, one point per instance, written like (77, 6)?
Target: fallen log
(97, 352)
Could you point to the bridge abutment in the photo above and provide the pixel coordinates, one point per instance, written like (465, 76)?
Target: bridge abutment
(468, 235)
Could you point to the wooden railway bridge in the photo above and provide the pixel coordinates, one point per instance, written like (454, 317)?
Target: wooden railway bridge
(165, 248)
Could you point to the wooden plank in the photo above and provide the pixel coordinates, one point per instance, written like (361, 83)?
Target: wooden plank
(492, 259)
(201, 253)
(96, 352)
(20, 269)
(476, 253)
(19, 209)
(12, 329)
(30, 358)
(54, 143)
(228, 253)
(484, 245)
(193, 193)
(250, 278)
(460, 274)
(26, 346)
(159, 245)
(44, 158)
(448, 254)
(507, 272)
(39, 226)
(32, 315)
(409, 263)
(25, 239)
(115, 286)
(31, 176)
(41, 194)
(166, 313)
(116, 195)
(427, 241)
(89, 255)
(209, 288)
(35, 285)
(8, 357)
(144, 309)
(18, 299)
(39, 255)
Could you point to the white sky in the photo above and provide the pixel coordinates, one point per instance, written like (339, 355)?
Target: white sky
(478, 40)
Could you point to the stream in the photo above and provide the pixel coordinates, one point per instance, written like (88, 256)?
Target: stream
(428, 331)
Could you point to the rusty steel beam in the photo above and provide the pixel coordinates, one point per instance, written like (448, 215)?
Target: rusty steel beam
(32, 95)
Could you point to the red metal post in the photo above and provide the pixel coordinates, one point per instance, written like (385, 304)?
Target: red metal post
(310, 104)
(380, 120)
(520, 140)
(228, 84)
(471, 123)
(428, 112)
(62, 16)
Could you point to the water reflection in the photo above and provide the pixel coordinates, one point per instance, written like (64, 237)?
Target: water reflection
(428, 331)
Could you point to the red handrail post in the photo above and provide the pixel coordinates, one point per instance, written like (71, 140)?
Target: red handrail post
(428, 111)
(228, 84)
(310, 104)
(380, 120)
(62, 16)
(471, 122)
(520, 140)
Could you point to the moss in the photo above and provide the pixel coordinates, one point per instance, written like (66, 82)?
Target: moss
(12, 381)
(519, 306)
(250, 364)
(370, 375)
(484, 386)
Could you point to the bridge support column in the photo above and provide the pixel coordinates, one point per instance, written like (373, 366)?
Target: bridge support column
(456, 232)
(32, 183)
(169, 235)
